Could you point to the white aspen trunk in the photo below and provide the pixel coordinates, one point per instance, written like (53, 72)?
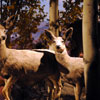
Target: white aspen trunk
(53, 16)
(90, 49)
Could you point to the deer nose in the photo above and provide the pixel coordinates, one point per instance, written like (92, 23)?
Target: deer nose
(58, 47)
(0, 40)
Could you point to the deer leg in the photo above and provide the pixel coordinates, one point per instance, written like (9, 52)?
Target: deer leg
(7, 88)
(56, 91)
(2, 82)
(58, 87)
(50, 90)
(77, 91)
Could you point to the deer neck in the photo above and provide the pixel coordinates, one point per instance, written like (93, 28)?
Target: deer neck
(3, 51)
(63, 58)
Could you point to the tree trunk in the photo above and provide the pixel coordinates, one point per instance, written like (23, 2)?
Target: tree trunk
(90, 48)
(53, 16)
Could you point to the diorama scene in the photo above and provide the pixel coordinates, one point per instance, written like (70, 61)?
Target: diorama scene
(49, 50)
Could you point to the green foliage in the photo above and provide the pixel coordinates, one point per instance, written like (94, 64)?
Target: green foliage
(73, 11)
(29, 14)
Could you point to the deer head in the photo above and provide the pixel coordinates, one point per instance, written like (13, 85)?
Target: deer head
(59, 42)
(5, 27)
(2, 35)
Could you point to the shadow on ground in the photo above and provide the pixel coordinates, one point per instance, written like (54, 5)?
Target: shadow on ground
(38, 92)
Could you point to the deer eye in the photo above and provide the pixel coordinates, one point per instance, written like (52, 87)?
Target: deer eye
(3, 37)
(53, 41)
(5, 31)
(63, 41)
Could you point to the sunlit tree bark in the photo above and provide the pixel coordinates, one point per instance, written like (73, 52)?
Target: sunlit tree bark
(90, 48)
(53, 16)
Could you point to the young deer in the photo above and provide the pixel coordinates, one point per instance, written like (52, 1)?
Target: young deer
(26, 66)
(74, 65)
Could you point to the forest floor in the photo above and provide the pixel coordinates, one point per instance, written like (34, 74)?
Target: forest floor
(67, 94)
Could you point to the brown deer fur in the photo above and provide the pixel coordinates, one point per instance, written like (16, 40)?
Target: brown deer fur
(74, 65)
(26, 66)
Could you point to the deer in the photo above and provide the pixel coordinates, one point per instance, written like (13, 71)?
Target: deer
(74, 65)
(26, 67)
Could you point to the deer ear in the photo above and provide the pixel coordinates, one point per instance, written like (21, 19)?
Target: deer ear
(68, 34)
(49, 34)
(60, 34)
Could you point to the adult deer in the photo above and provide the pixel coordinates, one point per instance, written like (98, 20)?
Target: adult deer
(74, 65)
(26, 66)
